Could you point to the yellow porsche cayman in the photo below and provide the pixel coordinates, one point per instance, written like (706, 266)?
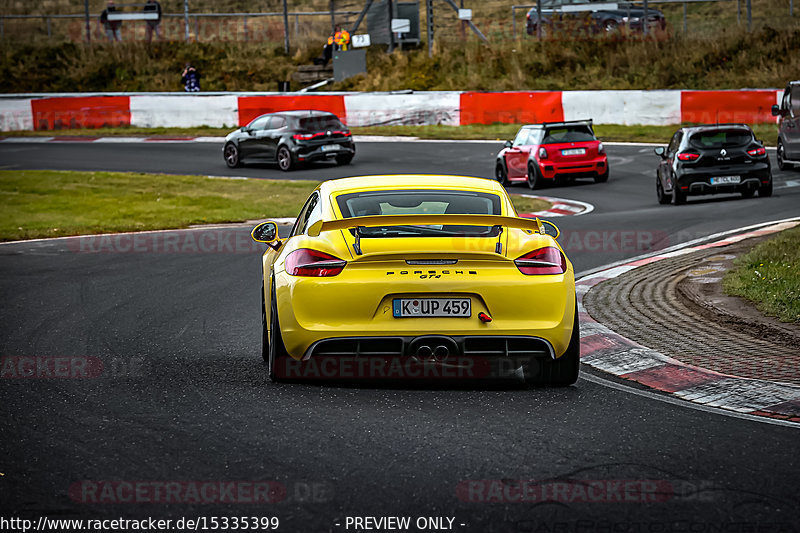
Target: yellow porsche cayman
(417, 277)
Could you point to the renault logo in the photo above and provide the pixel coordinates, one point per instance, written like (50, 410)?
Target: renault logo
(723, 152)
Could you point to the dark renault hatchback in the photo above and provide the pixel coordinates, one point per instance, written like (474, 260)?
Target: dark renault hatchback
(290, 138)
(712, 159)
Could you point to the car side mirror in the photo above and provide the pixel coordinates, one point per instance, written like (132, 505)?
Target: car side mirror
(776, 110)
(659, 151)
(243, 129)
(507, 144)
(266, 232)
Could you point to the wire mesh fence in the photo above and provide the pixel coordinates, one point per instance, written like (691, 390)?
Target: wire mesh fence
(311, 21)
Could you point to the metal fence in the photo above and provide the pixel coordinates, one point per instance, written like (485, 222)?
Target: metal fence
(268, 26)
(627, 5)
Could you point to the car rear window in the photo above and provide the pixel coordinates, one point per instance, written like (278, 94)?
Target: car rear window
(720, 138)
(421, 202)
(568, 134)
(321, 123)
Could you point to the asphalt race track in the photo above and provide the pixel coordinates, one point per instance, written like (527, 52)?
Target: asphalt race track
(183, 396)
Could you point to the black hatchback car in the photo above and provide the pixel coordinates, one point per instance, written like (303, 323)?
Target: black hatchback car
(712, 159)
(290, 138)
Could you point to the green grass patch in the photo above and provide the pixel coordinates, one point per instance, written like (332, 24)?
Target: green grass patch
(500, 132)
(769, 276)
(526, 204)
(39, 203)
(50, 203)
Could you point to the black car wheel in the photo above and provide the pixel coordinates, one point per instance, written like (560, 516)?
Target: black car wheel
(500, 174)
(285, 161)
(678, 196)
(748, 193)
(344, 159)
(278, 356)
(564, 371)
(663, 199)
(264, 330)
(765, 191)
(601, 178)
(534, 177)
(781, 157)
(231, 154)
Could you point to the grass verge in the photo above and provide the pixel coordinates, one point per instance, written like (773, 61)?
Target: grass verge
(607, 132)
(54, 203)
(769, 276)
(49, 203)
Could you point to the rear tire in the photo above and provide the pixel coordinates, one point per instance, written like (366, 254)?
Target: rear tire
(748, 193)
(285, 160)
(264, 329)
(601, 178)
(231, 156)
(564, 371)
(678, 196)
(780, 155)
(344, 159)
(765, 191)
(278, 356)
(534, 177)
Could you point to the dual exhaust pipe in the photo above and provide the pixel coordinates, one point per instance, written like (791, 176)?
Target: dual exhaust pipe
(433, 348)
(438, 353)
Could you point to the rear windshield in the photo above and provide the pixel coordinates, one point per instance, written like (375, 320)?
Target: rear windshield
(421, 202)
(327, 122)
(568, 134)
(720, 138)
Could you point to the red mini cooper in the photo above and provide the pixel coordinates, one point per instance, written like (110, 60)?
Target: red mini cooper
(552, 152)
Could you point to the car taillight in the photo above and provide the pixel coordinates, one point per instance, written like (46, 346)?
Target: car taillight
(688, 156)
(542, 153)
(548, 260)
(344, 133)
(757, 151)
(601, 149)
(306, 262)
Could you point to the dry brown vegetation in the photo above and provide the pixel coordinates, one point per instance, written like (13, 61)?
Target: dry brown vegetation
(715, 53)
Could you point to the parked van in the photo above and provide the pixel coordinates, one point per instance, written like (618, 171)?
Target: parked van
(788, 126)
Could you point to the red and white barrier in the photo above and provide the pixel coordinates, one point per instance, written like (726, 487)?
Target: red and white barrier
(69, 111)
(168, 111)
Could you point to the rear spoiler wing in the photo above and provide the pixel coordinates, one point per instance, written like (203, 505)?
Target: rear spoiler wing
(377, 221)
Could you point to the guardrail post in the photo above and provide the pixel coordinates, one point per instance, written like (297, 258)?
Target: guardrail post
(245, 28)
(286, 27)
(749, 15)
(685, 30)
(88, 24)
(2, 28)
(645, 22)
(429, 17)
(539, 20)
(513, 22)
(186, 19)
